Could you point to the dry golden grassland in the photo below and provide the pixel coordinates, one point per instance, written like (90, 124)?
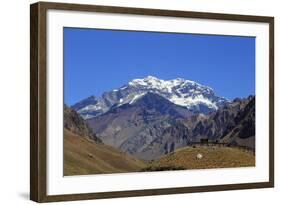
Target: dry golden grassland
(212, 157)
(83, 156)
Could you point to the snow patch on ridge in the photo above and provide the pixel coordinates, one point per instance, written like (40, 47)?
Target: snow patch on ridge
(136, 97)
(90, 107)
(193, 101)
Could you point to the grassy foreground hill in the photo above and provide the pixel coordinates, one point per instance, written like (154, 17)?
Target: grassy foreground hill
(84, 156)
(212, 157)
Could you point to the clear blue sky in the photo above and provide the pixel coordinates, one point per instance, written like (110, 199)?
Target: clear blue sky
(96, 61)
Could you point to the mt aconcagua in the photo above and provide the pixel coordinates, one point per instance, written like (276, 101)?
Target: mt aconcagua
(193, 96)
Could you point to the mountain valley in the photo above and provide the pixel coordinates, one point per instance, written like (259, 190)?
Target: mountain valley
(151, 124)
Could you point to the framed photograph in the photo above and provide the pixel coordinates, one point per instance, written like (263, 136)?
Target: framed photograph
(135, 102)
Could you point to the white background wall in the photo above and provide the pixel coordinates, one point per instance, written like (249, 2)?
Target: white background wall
(14, 101)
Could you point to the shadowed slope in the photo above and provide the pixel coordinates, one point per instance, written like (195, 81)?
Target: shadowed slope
(135, 128)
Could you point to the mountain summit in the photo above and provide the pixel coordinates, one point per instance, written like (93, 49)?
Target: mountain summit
(189, 94)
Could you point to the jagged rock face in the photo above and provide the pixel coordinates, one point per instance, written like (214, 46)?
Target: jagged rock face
(216, 124)
(233, 121)
(243, 133)
(152, 126)
(174, 136)
(189, 94)
(73, 122)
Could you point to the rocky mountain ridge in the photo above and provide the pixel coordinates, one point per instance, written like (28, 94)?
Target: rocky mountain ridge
(73, 122)
(189, 94)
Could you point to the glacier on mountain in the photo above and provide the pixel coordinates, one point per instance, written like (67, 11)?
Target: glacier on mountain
(186, 93)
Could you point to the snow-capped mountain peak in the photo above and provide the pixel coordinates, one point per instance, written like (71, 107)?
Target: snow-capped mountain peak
(187, 93)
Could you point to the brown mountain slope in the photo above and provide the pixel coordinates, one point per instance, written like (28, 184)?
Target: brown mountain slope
(84, 156)
(134, 128)
(73, 122)
(212, 157)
